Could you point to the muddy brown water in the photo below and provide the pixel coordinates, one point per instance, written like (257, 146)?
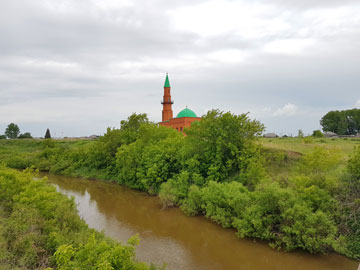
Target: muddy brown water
(182, 242)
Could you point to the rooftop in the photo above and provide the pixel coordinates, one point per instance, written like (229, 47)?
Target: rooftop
(186, 113)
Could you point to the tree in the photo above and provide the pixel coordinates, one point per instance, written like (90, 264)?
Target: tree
(300, 134)
(26, 135)
(12, 131)
(2, 137)
(224, 144)
(47, 134)
(317, 134)
(345, 122)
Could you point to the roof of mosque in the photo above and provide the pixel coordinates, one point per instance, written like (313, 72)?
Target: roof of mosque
(186, 113)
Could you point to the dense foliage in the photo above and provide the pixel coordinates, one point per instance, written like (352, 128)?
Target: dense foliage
(47, 134)
(40, 229)
(308, 202)
(317, 134)
(350, 206)
(12, 131)
(25, 135)
(345, 122)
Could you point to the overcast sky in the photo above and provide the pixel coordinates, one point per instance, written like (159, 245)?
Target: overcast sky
(78, 67)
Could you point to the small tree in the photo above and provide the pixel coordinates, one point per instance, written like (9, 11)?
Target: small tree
(300, 134)
(47, 134)
(26, 135)
(12, 131)
(317, 134)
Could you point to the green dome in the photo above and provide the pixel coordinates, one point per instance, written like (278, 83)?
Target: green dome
(186, 113)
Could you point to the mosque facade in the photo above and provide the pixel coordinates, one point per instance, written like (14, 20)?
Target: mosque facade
(183, 119)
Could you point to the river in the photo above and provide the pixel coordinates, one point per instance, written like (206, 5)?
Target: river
(183, 243)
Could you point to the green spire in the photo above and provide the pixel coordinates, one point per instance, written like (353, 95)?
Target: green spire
(167, 83)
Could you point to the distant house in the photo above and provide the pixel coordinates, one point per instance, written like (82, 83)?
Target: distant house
(329, 134)
(270, 135)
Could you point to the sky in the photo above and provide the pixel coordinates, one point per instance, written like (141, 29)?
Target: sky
(78, 67)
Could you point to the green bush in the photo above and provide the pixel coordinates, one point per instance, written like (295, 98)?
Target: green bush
(317, 134)
(224, 144)
(175, 190)
(308, 140)
(26, 135)
(349, 201)
(40, 228)
(354, 164)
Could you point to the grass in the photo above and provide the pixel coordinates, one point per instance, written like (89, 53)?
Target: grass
(11, 148)
(21, 151)
(306, 145)
(283, 154)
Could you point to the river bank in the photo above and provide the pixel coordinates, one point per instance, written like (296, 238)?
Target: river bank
(182, 242)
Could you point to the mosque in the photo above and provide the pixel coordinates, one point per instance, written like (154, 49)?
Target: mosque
(183, 119)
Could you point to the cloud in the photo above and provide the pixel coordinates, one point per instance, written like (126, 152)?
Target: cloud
(289, 46)
(357, 104)
(241, 18)
(288, 110)
(99, 61)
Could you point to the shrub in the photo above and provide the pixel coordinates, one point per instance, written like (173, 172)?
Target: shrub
(317, 134)
(175, 190)
(354, 164)
(224, 144)
(26, 135)
(308, 140)
(40, 228)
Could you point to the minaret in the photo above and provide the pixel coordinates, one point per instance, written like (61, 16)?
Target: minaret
(167, 112)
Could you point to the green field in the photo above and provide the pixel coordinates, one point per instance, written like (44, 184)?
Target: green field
(20, 153)
(306, 145)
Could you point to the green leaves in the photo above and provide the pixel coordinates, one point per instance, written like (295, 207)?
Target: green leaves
(345, 122)
(310, 230)
(12, 131)
(354, 164)
(223, 143)
(40, 228)
(151, 160)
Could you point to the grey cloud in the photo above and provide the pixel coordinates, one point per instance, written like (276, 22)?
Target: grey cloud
(310, 4)
(121, 55)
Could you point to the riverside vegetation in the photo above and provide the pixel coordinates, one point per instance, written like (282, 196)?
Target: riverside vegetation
(221, 170)
(40, 229)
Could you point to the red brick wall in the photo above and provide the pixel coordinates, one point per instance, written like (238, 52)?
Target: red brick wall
(180, 123)
(167, 112)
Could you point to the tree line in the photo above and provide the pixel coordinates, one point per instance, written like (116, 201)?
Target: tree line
(12, 131)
